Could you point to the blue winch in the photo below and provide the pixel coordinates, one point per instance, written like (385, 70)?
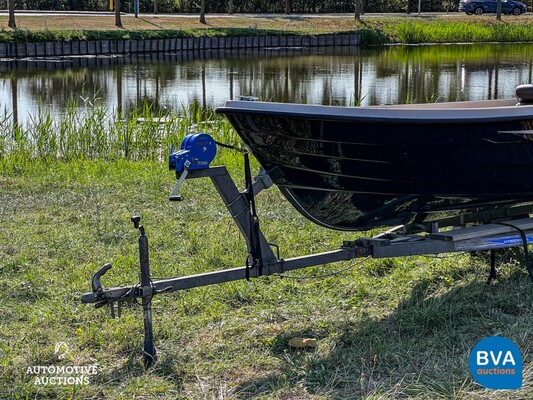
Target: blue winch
(196, 152)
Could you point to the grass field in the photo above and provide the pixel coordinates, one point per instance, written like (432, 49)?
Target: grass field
(386, 329)
(376, 30)
(175, 23)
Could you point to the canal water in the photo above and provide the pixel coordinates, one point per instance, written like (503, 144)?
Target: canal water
(334, 76)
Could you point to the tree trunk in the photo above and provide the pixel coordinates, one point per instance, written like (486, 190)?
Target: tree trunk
(287, 7)
(408, 7)
(156, 8)
(358, 9)
(202, 12)
(499, 10)
(230, 7)
(11, 23)
(118, 20)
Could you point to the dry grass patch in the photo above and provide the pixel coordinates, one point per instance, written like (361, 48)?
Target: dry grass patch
(107, 22)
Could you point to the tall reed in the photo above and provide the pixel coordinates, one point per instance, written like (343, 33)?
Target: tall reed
(458, 31)
(92, 131)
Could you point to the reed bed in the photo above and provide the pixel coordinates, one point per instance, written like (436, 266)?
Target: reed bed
(95, 132)
(441, 31)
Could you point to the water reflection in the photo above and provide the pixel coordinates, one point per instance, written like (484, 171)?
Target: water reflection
(341, 76)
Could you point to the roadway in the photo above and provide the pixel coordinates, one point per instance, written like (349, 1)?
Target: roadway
(34, 13)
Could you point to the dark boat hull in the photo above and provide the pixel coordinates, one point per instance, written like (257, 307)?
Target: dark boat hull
(389, 166)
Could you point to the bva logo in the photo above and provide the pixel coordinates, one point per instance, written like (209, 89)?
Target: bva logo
(496, 363)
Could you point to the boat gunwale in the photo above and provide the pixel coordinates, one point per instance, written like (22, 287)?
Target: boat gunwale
(367, 144)
(453, 112)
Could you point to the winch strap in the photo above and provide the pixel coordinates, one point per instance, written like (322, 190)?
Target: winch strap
(229, 146)
(524, 244)
(255, 244)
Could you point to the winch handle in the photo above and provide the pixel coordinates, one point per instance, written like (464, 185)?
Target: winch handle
(175, 196)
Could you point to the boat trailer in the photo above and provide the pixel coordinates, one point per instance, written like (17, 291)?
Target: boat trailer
(506, 228)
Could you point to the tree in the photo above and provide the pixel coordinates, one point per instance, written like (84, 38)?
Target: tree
(358, 9)
(202, 12)
(287, 7)
(230, 7)
(118, 20)
(499, 10)
(11, 23)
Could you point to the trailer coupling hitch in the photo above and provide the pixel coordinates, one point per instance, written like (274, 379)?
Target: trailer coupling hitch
(100, 295)
(95, 283)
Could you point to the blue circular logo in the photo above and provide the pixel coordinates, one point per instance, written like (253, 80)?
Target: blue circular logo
(496, 363)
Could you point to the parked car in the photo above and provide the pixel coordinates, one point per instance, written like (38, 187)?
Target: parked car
(479, 7)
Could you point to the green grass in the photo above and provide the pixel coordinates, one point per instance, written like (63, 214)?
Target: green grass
(412, 32)
(22, 36)
(387, 329)
(450, 30)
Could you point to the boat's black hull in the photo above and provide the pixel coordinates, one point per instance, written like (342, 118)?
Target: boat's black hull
(357, 174)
